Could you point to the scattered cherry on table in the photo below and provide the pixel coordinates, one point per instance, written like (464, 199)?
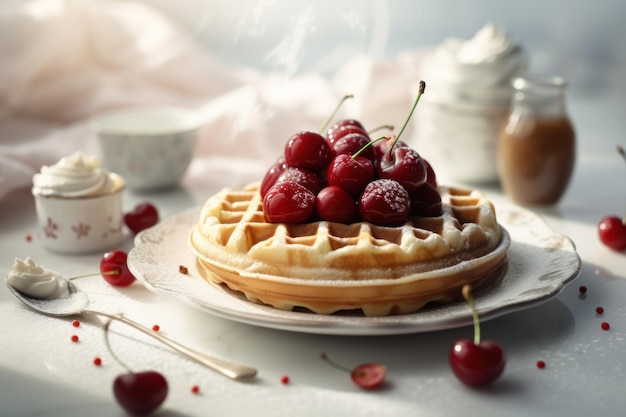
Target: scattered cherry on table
(114, 269)
(476, 363)
(369, 375)
(143, 216)
(612, 229)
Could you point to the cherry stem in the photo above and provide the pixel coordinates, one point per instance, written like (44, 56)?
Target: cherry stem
(420, 91)
(334, 364)
(382, 127)
(329, 118)
(467, 294)
(115, 271)
(107, 342)
(368, 144)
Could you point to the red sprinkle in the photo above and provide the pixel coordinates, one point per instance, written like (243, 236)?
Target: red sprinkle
(599, 310)
(582, 289)
(541, 364)
(284, 379)
(74, 338)
(97, 361)
(29, 238)
(195, 389)
(605, 325)
(156, 327)
(75, 323)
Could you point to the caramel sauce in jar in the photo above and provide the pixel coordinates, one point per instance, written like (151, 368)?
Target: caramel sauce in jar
(537, 146)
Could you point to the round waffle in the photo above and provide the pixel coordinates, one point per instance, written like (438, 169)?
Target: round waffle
(329, 267)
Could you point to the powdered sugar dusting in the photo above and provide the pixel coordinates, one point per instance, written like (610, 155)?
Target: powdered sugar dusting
(391, 192)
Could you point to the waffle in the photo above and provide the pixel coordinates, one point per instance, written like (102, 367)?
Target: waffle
(328, 267)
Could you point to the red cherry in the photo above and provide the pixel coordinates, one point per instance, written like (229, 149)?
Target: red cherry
(346, 122)
(426, 201)
(404, 165)
(367, 376)
(288, 202)
(384, 202)
(350, 144)
(144, 215)
(272, 175)
(304, 177)
(334, 204)
(382, 146)
(476, 363)
(307, 150)
(612, 232)
(350, 173)
(339, 132)
(140, 393)
(116, 261)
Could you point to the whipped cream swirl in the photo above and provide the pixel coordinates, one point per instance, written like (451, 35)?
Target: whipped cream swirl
(76, 176)
(37, 282)
(489, 59)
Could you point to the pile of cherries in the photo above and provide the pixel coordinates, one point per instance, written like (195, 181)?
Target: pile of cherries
(347, 177)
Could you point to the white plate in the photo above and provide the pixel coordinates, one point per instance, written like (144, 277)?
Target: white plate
(540, 262)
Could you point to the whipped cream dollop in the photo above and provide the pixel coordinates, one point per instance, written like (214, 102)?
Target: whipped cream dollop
(76, 176)
(36, 281)
(489, 59)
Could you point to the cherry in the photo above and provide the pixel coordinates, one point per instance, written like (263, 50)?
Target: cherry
(476, 363)
(114, 269)
(304, 177)
(288, 202)
(404, 165)
(334, 204)
(307, 150)
(144, 215)
(350, 173)
(384, 146)
(352, 143)
(272, 175)
(140, 393)
(346, 122)
(612, 232)
(335, 134)
(426, 201)
(612, 229)
(367, 376)
(384, 202)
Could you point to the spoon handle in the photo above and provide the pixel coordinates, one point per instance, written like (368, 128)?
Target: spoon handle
(230, 369)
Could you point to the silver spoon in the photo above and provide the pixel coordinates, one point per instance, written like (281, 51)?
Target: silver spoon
(77, 304)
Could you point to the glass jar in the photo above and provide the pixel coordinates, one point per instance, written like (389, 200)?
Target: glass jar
(457, 130)
(536, 148)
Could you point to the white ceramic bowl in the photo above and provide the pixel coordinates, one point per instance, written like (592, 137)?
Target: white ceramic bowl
(80, 225)
(151, 147)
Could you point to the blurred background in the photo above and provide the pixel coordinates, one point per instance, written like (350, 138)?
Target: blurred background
(584, 40)
(259, 70)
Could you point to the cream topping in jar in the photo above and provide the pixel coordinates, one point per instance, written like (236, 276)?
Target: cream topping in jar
(76, 176)
(489, 59)
(36, 281)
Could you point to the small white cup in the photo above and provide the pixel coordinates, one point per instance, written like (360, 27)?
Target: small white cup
(80, 225)
(151, 147)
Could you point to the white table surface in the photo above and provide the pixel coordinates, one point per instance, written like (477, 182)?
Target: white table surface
(42, 373)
